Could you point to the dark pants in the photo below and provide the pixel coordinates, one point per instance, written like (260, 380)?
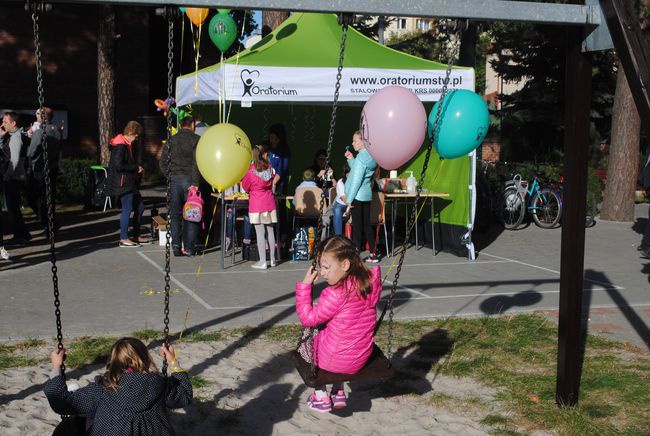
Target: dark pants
(37, 199)
(131, 202)
(361, 225)
(13, 189)
(248, 227)
(184, 233)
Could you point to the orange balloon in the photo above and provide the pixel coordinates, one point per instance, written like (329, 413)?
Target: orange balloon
(197, 15)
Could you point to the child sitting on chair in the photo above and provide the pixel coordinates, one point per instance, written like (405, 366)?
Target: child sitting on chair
(347, 308)
(130, 398)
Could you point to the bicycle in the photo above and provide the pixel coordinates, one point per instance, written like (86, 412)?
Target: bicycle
(591, 207)
(544, 204)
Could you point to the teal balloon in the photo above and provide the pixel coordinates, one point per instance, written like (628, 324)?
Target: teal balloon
(223, 31)
(182, 9)
(464, 122)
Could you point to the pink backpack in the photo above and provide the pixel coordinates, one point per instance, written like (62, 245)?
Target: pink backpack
(193, 208)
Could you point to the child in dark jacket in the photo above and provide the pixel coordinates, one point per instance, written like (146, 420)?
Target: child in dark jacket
(130, 398)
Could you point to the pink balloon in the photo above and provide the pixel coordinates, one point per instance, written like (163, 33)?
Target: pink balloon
(393, 126)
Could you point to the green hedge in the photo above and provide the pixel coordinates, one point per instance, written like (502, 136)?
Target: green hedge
(72, 180)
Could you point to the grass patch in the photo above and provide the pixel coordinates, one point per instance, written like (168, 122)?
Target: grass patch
(87, 351)
(11, 355)
(148, 334)
(201, 336)
(198, 381)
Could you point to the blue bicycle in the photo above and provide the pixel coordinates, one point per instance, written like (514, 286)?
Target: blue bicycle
(542, 201)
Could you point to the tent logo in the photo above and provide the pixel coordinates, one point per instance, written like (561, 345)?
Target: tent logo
(248, 78)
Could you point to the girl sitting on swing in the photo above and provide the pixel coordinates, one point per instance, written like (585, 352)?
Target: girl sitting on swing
(130, 398)
(345, 315)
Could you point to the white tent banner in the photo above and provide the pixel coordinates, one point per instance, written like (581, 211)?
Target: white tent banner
(299, 84)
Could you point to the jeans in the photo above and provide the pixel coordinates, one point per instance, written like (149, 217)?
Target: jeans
(131, 202)
(184, 233)
(248, 227)
(37, 199)
(13, 189)
(338, 210)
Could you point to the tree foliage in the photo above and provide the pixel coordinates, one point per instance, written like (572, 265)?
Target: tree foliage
(533, 117)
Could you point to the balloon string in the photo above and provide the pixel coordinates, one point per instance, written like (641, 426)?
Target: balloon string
(232, 90)
(197, 55)
(180, 66)
(222, 98)
(198, 272)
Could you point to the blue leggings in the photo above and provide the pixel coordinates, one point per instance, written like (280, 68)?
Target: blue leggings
(131, 202)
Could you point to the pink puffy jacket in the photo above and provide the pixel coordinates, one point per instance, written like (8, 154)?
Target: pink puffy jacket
(260, 192)
(345, 343)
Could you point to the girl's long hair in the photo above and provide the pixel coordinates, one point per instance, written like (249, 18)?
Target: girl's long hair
(126, 353)
(346, 170)
(342, 248)
(259, 161)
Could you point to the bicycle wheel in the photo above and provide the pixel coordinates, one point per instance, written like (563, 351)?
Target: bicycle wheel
(546, 208)
(590, 210)
(512, 209)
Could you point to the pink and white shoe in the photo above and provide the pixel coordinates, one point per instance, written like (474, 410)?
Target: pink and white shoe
(323, 405)
(339, 400)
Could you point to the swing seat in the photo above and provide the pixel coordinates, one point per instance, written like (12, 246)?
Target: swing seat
(378, 366)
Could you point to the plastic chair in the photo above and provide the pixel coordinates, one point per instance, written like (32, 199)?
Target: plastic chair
(378, 213)
(307, 205)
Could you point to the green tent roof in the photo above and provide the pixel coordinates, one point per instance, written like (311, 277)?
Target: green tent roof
(313, 40)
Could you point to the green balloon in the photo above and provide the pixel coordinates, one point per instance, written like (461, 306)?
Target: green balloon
(223, 31)
(223, 11)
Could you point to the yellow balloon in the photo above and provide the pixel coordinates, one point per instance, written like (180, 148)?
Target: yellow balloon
(223, 155)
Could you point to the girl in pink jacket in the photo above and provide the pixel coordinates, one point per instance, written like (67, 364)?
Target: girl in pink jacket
(346, 308)
(259, 182)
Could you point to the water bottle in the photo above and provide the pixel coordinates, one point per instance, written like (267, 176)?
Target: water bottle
(411, 183)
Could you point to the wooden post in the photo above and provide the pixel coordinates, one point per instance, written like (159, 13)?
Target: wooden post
(576, 142)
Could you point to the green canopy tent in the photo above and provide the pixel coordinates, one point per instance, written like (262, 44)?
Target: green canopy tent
(289, 77)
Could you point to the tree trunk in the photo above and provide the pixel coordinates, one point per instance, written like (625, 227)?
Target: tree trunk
(105, 80)
(623, 167)
(271, 20)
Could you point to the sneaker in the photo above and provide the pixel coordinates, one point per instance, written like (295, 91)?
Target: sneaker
(273, 264)
(4, 254)
(177, 252)
(259, 265)
(372, 259)
(339, 400)
(228, 244)
(323, 405)
(128, 243)
(645, 251)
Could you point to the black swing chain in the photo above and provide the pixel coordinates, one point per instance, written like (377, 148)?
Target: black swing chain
(413, 216)
(36, 8)
(330, 140)
(344, 20)
(170, 14)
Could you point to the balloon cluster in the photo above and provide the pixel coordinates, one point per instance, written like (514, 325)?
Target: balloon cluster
(394, 125)
(222, 27)
(164, 105)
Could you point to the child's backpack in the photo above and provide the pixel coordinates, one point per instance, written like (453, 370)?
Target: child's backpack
(193, 208)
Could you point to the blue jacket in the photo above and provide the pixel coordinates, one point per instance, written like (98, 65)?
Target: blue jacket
(359, 183)
(279, 160)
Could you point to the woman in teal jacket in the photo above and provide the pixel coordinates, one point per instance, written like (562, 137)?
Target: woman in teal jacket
(358, 193)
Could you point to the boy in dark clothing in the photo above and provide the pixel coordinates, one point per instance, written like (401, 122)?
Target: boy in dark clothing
(184, 175)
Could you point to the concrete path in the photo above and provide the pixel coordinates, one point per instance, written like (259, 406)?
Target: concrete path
(106, 289)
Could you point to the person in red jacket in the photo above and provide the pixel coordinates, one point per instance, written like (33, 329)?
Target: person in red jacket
(347, 307)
